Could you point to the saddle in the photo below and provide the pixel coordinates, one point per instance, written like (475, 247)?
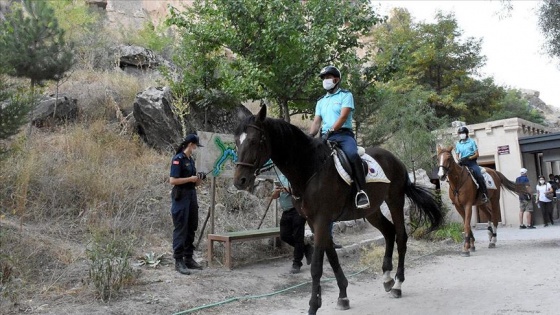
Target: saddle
(487, 178)
(372, 169)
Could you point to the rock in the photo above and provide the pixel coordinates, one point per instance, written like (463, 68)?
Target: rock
(136, 56)
(156, 123)
(51, 111)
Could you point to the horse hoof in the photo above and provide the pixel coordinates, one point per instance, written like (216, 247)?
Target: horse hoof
(465, 254)
(396, 293)
(472, 249)
(388, 285)
(492, 245)
(343, 304)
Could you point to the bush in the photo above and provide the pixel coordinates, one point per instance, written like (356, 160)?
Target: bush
(109, 266)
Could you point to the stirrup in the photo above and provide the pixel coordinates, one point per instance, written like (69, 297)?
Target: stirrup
(485, 198)
(362, 204)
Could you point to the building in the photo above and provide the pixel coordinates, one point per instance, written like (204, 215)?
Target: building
(507, 145)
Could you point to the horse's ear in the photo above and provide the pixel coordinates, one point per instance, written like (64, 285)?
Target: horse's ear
(438, 149)
(262, 113)
(450, 148)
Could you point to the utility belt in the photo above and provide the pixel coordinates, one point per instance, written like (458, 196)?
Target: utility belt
(178, 191)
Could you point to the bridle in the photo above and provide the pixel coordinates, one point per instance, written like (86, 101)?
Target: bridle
(257, 164)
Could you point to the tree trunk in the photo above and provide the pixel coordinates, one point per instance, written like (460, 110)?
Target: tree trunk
(284, 110)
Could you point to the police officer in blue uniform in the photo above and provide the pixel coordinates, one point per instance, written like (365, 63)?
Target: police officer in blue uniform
(333, 116)
(184, 203)
(466, 152)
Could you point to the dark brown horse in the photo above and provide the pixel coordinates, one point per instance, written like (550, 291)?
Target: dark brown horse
(463, 195)
(322, 197)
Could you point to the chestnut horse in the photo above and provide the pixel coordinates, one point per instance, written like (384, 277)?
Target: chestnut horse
(322, 197)
(463, 195)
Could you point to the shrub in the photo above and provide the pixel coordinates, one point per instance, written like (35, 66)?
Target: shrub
(109, 266)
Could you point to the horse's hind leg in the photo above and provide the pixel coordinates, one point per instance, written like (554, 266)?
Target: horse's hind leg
(343, 302)
(388, 230)
(397, 214)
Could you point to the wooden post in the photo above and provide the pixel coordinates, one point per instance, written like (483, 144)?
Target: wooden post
(212, 203)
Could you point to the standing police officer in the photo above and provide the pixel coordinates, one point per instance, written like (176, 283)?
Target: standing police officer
(184, 203)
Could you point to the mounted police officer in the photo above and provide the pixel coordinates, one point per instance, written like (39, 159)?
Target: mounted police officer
(184, 203)
(466, 152)
(333, 116)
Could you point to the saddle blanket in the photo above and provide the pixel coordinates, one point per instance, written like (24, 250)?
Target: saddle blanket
(375, 172)
(487, 179)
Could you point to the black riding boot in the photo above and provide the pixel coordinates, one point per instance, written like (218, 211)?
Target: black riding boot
(361, 200)
(482, 187)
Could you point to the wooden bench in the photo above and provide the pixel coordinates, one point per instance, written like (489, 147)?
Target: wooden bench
(231, 237)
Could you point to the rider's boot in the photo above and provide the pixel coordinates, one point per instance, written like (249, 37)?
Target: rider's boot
(483, 189)
(361, 200)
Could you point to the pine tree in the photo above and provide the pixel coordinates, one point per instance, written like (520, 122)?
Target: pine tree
(32, 44)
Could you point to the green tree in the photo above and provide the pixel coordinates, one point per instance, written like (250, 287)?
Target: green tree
(514, 105)
(549, 23)
(437, 59)
(271, 50)
(14, 108)
(33, 45)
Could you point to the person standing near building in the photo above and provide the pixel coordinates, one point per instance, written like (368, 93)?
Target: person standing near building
(524, 186)
(292, 225)
(184, 203)
(545, 203)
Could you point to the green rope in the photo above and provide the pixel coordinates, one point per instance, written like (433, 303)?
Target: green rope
(249, 297)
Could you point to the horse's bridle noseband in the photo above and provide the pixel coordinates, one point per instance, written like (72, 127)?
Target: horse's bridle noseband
(262, 141)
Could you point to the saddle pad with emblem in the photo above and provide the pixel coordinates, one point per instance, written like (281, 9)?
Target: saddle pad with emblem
(375, 172)
(487, 179)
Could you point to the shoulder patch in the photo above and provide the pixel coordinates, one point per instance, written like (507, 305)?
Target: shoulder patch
(175, 162)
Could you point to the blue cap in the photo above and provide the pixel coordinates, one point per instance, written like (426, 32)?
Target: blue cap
(192, 138)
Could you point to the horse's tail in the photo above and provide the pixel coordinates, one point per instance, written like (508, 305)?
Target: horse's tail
(509, 185)
(426, 202)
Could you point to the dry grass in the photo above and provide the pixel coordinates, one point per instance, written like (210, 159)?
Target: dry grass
(61, 188)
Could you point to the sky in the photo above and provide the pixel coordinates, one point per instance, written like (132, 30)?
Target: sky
(511, 43)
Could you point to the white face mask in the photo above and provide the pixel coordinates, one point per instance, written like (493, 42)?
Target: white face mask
(328, 84)
(463, 136)
(541, 181)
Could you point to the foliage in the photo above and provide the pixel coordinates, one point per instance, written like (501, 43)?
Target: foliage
(109, 267)
(452, 230)
(514, 105)
(435, 60)
(33, 44)
(549, 23)
(82, 24)
(268, 50)
(14, 107)
(150, 260)
(154, 37)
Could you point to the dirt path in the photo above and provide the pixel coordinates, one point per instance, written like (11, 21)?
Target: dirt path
(520, 276)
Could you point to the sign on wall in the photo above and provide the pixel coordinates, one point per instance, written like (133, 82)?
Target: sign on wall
(503, 149)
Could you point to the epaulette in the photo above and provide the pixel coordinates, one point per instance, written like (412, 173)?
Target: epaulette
(344, 91)
(321, 97)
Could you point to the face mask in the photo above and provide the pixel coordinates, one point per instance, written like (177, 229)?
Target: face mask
(463, 136)
(541, 181)
(328, 84)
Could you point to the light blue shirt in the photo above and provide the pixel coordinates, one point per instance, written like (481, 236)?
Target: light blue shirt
(285, 198)
(330, 106)
(465, 148)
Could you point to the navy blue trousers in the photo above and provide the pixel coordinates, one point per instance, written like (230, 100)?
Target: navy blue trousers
(185, 222)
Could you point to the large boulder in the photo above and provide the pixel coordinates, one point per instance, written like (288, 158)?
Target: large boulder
(52, 110)
(155, 121)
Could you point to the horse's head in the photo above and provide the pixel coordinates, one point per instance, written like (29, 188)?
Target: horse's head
(253, 149)
(445, 160)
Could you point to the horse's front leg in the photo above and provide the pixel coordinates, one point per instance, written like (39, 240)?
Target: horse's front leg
(343, 302)
(467, 232)
(316, 274)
